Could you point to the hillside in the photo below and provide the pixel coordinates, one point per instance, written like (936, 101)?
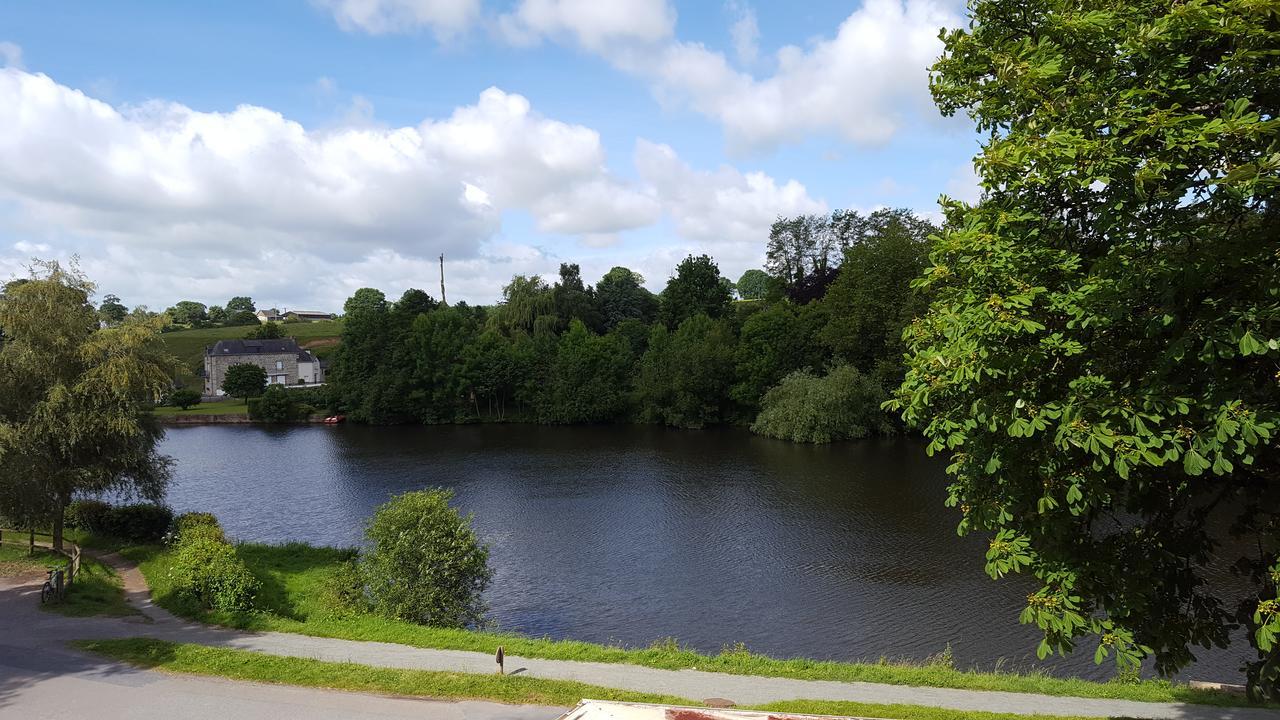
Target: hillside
(321, 337)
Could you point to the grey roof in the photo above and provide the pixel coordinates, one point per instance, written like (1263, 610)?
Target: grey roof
(254, 347)
(305, 356)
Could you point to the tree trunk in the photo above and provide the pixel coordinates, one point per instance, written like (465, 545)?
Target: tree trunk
(31, 542)
(57, 522)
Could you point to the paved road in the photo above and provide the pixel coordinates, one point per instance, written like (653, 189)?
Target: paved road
(35, 627)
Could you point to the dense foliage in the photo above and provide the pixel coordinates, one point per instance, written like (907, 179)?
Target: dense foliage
(689, 356)
(206, 570)
(184, 398)
(140, 522)
(278, 405)
(244, 380)
(1100, 357)
(424, 563)
(844, 404)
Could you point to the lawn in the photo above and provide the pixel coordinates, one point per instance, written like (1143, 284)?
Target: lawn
(217, 407)
(15, 559)
(297, 597)
(188, 345)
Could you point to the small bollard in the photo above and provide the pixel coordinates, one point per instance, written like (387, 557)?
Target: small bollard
(499, 657)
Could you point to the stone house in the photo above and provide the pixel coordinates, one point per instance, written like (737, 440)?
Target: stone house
(286, 363)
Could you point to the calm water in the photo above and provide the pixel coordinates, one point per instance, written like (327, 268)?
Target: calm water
(629, 534)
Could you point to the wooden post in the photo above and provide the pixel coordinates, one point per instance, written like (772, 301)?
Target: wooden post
(443, 301)
(32, 549)
(500, 657)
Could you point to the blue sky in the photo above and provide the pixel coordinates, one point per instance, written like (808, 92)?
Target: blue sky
(295, 151)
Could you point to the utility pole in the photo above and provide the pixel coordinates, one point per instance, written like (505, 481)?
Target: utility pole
(442, 300)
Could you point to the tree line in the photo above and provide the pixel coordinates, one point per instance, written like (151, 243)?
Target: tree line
(689, 356)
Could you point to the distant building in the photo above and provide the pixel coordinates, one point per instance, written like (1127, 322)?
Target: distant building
(272, 315)
(286, 363)
(306, 315)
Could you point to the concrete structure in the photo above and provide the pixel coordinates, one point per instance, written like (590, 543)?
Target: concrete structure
(286, 363)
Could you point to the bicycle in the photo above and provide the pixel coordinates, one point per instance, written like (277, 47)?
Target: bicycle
(53, 587)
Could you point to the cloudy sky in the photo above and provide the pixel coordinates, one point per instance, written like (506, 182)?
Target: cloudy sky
(295, 151)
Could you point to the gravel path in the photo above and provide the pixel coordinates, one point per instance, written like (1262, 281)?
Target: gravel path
(34, 625)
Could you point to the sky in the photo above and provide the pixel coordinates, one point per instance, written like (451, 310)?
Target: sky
(296, 151)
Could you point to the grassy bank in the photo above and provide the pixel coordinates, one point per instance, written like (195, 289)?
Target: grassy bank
(247, 665)
(220, 407)
(16, 559)
(188, 345)
(296, 597)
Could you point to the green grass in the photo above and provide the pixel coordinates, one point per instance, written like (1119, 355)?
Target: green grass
(15, 559)
(188, 345)
(97, 590)
(899, 712)
(296, 598)
(258, 667)
(219, 407)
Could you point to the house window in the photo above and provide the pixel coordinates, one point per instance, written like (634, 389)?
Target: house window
(279, 364)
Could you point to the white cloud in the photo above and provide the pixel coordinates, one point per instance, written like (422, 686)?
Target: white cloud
(861, 84)
(724, 212)
(444, 18)
(165, 202)
(594, 24)
(165, 170)
(10, 55)
(745, 33)
(964, 184)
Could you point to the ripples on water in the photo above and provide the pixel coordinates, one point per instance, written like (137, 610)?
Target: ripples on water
(630, 534)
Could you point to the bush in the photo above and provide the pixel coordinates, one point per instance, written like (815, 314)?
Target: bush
(87, 515)
(276, 405)
(425, 564)
(184, 398)
(842, 405)
(191, 525)
(142, 522)
(209, 572)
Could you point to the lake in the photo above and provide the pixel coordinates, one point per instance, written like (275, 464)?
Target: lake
(628, 534)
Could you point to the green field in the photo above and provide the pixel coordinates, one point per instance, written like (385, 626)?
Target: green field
(219, 407)
(188, 345)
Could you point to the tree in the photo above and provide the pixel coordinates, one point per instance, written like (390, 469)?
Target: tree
(685, 375)
(753, 285)
(696, 288)
(275, 406)
(842, 405)
(72, 398)
(872, 300)
(525, 299)
(1099, 357)
(364, 349)
(622, 296)
(590, 378)
(217, 315)
(265, 331)
(244, 380)
(112, 311)
(425, 563)
(773, 343)
(243, 317)
(574, 301)
(184, 398)
(188, 312)
(241, 304)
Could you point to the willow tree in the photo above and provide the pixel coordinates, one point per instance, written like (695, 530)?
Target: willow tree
(1100, 357)
(72, 416)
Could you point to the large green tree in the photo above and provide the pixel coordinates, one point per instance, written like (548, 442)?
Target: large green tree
(244, 380)
(622, 296)
(72, 399)
(695, 288)
(1100, 356)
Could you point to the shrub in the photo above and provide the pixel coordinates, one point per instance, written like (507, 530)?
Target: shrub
(184, 398)
(425, 564)
(191, 525)
(208, 571)
(275, 406)
(841, 405)
(87, 515)
(141, 522)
